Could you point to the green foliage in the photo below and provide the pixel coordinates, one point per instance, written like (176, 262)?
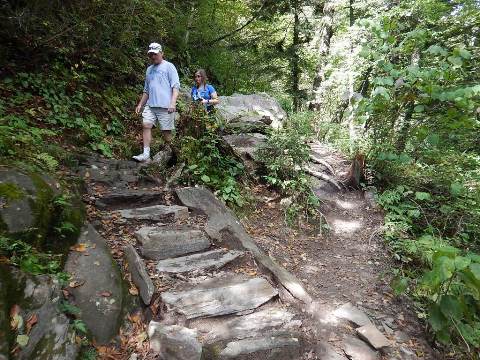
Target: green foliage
(284, 157)
(69, 309)
(414, 112)
(28, 258)
(207, 160)
(88, 353)
(80, 326)
(60, 108)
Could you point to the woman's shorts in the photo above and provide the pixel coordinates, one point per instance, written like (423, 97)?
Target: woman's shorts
(158, 116)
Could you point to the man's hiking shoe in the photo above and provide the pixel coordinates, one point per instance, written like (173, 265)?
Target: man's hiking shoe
(142, 158)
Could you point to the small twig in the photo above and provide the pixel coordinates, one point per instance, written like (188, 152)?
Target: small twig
(456, 327)
(374, 233)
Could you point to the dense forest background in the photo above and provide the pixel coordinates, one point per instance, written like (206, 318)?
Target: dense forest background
(396, 81)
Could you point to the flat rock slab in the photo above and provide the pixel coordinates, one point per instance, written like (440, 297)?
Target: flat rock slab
(156, 213)
(139, 274)
(240, 327)
(351, 313)
(96, 275)
(356, 349)
(373, 336)
(325, 351)
(223, 226)
(251, 107)
(238, 348)
(221, 296)
(245, 145)
(206, 260)
(117, 199)
(174, 342)
(160, 243)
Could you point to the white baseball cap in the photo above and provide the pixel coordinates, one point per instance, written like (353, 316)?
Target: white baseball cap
(154, 48)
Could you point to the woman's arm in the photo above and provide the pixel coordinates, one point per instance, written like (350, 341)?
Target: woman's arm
(213, 101)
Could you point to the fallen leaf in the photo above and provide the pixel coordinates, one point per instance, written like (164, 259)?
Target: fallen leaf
(79, 247)
(133, 291)
(96, 263)
(32, 320)
(22, 340)
(106, 294)
(16, 321)
(141, 338)
(76, 283)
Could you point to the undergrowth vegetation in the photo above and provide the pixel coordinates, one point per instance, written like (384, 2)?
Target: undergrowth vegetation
(207, 158)
(284, 156)
(40, 112)
(416, 117)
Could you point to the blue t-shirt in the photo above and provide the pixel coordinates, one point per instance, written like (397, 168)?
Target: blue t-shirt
(202, 92)
(160, 79)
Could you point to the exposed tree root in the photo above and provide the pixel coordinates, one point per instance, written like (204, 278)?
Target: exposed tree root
(317, 160)
(324, 177)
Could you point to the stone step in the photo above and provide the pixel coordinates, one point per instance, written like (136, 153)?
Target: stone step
(174, 342)
(165, 213)
(158, 243)
(356, 349)
(139, 274)
(132, 198)
(349, 312)
(274, 346)
(221, 296)
(241, 327)
(206, 260)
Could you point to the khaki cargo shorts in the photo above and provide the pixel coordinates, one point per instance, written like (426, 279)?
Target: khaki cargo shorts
(159, 117)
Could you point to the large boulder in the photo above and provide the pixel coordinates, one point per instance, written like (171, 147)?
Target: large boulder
(250, 113)
(25, 200)
(97, 285)
(245, 146)
(28, 210)
(49, 336)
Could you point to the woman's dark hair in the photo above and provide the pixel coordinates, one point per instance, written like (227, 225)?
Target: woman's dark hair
(203, 75)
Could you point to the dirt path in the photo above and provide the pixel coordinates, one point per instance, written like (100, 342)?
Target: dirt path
(348, 263)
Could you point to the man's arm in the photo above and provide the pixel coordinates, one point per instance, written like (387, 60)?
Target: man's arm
(173, 103)
(141, 103)
(175, 85)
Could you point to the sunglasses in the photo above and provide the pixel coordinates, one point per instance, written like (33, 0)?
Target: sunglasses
(198, 76)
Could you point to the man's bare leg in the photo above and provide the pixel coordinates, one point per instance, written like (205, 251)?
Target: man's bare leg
(147, 139)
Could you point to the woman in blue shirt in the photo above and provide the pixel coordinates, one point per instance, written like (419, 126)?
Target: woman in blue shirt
(203, 92)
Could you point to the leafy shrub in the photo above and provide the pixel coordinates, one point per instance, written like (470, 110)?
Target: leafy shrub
(284, 156)
(61, 108)
(28, 258)
(419, 231)
(207, 159)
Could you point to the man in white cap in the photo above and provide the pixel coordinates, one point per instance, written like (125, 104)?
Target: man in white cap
(159, 99)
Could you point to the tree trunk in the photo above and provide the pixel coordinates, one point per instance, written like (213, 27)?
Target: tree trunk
(296, 56)
(326, 33)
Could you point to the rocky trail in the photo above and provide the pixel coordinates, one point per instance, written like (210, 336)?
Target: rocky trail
(162, 271)
(209, 289)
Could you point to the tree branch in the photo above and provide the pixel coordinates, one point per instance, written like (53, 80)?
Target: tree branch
(233, 32)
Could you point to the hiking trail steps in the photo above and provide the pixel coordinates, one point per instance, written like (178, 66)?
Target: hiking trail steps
(208, 290)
